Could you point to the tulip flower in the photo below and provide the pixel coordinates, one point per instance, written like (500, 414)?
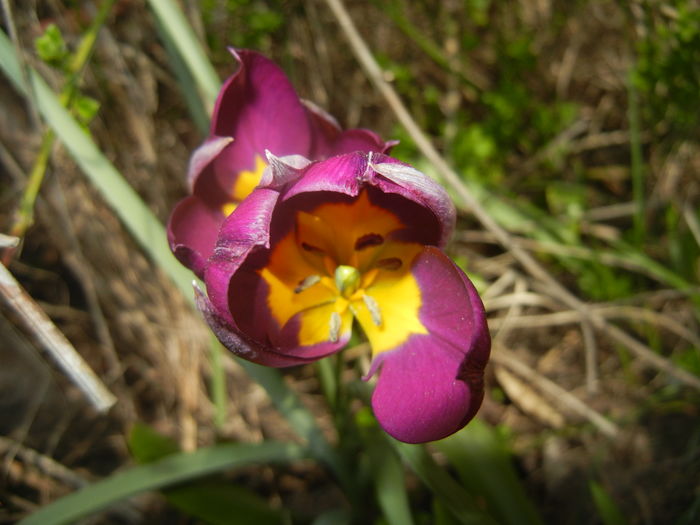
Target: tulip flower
(320, 248)
(257, 110)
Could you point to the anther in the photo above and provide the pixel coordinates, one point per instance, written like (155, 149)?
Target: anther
(368, 240)
(334, 327)
(311, 248)
(307, 283)
(373, 308)
(390, 263)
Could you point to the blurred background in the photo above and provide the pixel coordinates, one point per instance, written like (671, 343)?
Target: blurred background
(576, 124)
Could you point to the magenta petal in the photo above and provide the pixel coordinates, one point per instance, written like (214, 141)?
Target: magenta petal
(432, 385)
(414, 185)
(244, 231)
(348, 174)
(259, 108)
(238, 343)
(203, 157)
(192, 231)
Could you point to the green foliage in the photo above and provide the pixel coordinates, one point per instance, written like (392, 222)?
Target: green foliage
(608, 511)
(85, 108)
(242, 23)
(667, 72)
(215, 500)
(480, 457)
(51, 48)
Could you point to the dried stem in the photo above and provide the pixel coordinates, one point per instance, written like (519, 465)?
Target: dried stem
(51, 338)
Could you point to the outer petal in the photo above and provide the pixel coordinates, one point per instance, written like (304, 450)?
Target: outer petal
(258, 106)
(238, 343)
(192, 231)
(236, 309)
(347, 174)
(203, 156)
(243, 232)
(432, 385)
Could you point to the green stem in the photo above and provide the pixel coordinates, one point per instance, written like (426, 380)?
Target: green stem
(637, 163)
(218, 383)
(25, 212)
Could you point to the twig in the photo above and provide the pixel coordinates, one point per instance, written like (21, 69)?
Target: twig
(607, 311)
(552, 286)
(589, 343)
(51, 338)
(558, 394)
(45, 464)
(691, 218)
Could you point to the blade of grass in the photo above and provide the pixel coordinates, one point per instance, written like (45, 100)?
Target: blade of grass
(214, 500)
(218, 382)
(138, 219)
(76, 64)
(609, 512)
(180, 34)
(389, 481)
(637, 161)
(166, 472)
(483, 464)
(460, 503)
(188, 85)
(150, 234)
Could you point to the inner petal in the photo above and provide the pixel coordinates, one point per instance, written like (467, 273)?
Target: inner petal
(245, 183)
(287, 275)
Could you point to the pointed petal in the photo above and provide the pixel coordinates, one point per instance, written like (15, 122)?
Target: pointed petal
(259, 108)
(203, 156)
(432, 385)
(419, 187)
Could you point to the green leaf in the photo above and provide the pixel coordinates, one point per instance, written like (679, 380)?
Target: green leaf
(51, 47)
(460, 503)
(386, 471)
(85, 108)
(215, 501)
(166, 472)
(483, 463)
(181, 35)
(147, 445)
(220, 503)
(608, 511)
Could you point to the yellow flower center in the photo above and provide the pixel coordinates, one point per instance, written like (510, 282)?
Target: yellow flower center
(340, 262)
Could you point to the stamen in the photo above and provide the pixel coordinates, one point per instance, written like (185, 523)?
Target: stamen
(373, 308)
(307, 283)
(311, 248)
(334, 325)
(368, 240)
(390, 263)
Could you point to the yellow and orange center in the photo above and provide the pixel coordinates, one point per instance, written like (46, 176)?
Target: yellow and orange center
(338, 263)
(245, 183)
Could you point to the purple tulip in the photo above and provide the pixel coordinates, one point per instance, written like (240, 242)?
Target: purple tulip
(357, 237)
(256, 111)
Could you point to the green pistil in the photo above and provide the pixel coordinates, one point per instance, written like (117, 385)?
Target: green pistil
(347, 279)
